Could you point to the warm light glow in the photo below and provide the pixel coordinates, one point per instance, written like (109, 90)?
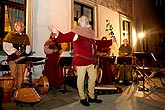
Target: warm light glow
(7, 23)
(141, 35)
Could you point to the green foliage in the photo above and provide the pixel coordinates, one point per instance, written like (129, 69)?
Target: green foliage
(109, 28)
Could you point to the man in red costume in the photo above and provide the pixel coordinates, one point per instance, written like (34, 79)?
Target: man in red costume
(84, 58)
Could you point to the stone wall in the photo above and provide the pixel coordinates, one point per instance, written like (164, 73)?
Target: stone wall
(121, 6)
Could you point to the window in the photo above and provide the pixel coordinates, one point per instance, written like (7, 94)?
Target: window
(10, 12)
(81, 9)
(126, 29)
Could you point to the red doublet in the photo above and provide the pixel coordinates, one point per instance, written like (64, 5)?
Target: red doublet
(82, 46)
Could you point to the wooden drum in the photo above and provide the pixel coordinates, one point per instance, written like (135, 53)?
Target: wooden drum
(6, 82)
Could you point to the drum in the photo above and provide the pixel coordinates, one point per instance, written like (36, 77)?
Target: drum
(6, 82)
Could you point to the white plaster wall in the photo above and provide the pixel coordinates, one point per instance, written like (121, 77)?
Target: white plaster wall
(56, 12)
(108, 14)
(47, 12)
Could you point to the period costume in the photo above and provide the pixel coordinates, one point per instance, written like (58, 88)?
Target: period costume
(84, 57)
(52, 71)
(124, 51)
(12, 42)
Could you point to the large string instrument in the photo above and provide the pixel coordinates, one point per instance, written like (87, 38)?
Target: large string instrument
(40, 85)
(27, 95)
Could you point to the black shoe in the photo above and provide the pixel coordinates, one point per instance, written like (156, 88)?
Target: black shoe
(90, 100)
(84, 102)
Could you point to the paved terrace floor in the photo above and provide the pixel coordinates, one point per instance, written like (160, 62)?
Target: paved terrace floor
(129, 99)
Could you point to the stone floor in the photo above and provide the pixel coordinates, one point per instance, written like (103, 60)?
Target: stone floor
(130, 99)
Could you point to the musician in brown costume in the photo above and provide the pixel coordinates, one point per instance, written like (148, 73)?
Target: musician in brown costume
(52, 71)
(84, 58)
(125, 70)
(17, 44)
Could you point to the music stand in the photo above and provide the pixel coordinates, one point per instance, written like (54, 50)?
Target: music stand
(144, 56)
(111, 59)
(125, 60)
(64, 62)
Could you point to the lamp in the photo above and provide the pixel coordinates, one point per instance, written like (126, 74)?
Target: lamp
(141, 35)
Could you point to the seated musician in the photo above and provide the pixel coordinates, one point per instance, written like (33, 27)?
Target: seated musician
(125, 76)
(16, 44)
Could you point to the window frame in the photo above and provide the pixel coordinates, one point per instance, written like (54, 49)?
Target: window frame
(125, 19)
(83, 5)
(15, 5)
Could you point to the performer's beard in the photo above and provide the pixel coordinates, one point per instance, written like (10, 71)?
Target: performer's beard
(87, 25)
